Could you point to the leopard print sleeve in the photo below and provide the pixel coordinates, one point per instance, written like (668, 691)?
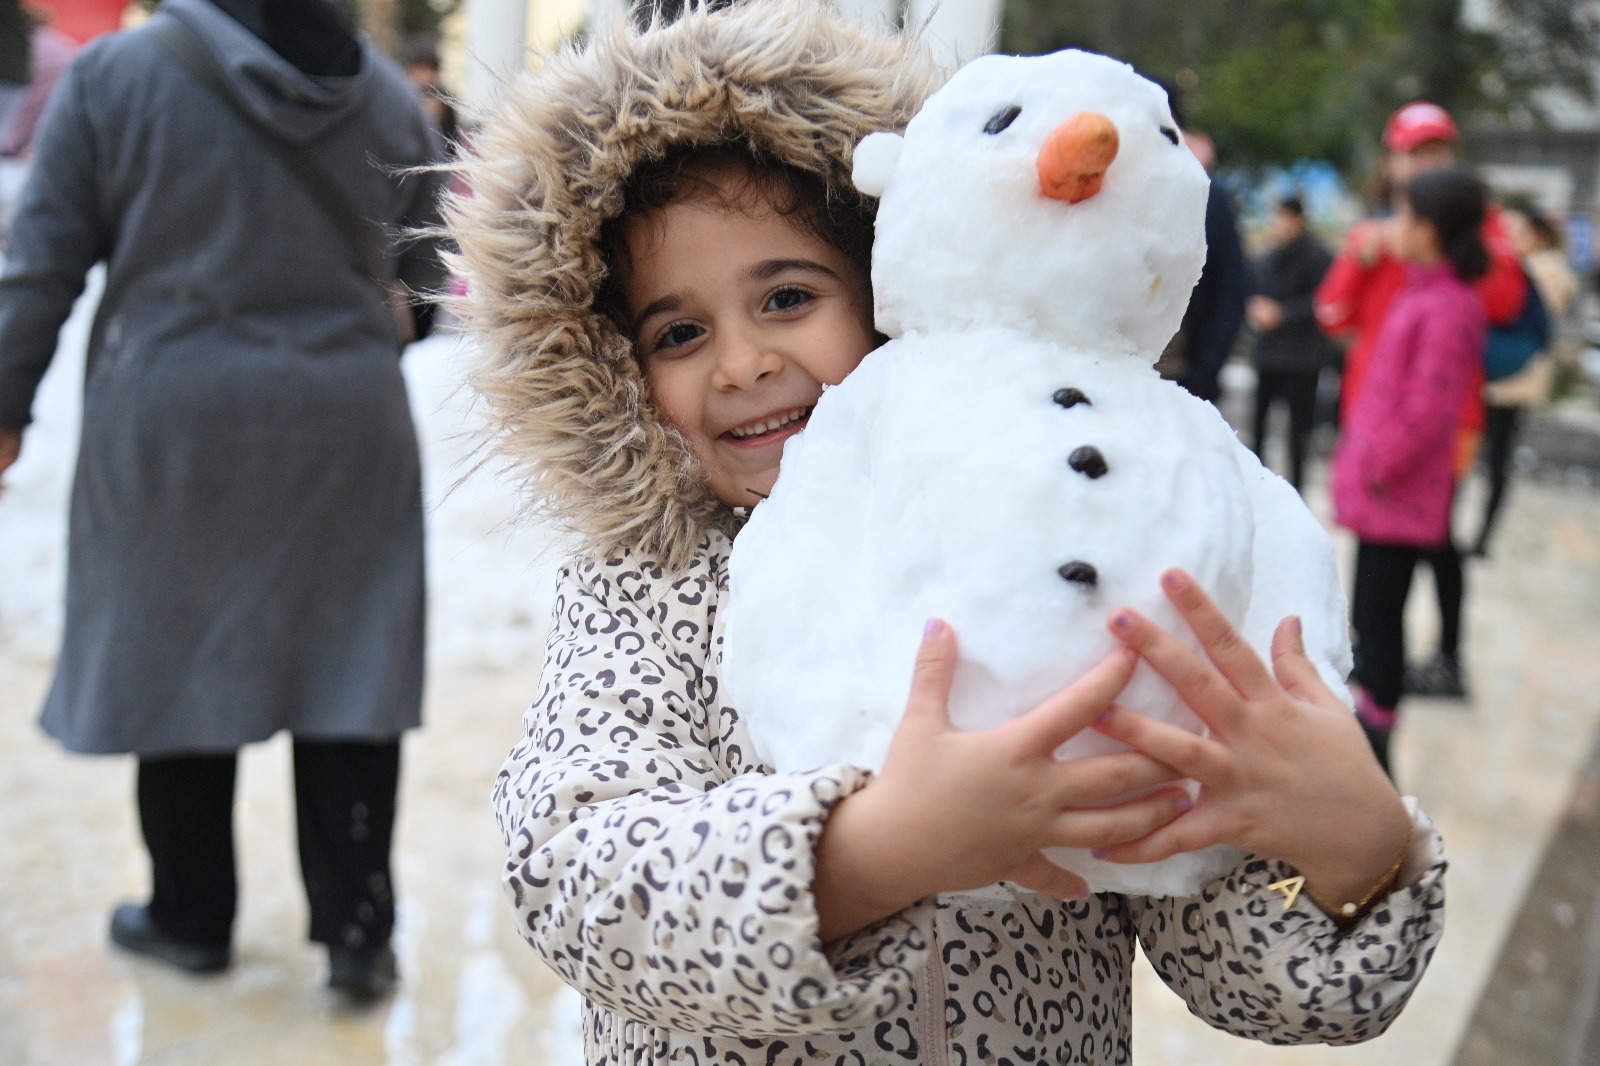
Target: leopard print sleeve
(653, 863)
(1250, 966)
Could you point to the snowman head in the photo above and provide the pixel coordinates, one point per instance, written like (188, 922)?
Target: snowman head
(1051, 194)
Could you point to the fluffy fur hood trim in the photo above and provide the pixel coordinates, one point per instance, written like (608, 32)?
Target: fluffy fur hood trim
(565, 398)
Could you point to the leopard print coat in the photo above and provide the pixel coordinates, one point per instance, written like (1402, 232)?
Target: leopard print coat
(665, 873)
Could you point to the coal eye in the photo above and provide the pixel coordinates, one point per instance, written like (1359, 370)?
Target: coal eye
(1002, 119)
(1170, 134)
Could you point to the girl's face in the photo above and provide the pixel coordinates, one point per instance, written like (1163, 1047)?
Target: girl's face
(1415, 239)
(740, 317)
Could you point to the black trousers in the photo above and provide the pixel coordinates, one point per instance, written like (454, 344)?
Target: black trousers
(1499, 437)
(345, 795)
(1377, 614)
(1298, 390)
(1450, 584)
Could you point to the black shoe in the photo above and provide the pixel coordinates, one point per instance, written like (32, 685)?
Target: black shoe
(363, 974)
(1439, 676)
(133, 930)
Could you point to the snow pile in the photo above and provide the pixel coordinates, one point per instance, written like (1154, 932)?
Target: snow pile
(1011, 462)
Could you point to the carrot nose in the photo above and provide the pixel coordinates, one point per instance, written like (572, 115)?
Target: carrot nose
(1073, 161)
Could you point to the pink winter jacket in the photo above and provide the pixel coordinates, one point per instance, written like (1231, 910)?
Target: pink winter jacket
(1393, 475)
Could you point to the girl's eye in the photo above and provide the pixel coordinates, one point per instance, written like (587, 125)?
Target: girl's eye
(677, 335)
(788, 300)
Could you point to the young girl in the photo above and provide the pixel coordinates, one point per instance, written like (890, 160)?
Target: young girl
(666, 265)
(1393, 471)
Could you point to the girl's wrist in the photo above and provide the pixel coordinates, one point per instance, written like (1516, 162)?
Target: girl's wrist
(1358, 866)
(864, 871)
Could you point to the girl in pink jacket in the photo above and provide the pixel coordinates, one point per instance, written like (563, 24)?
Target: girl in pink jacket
(1393, 474)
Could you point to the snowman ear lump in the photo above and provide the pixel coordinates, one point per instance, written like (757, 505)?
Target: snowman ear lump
(874, 162)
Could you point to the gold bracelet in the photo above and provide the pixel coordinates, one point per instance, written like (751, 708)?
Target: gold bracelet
(1349, 912)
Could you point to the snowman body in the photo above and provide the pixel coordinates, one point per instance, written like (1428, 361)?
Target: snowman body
(1010, 461)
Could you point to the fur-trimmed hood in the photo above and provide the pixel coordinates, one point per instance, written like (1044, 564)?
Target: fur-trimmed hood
(565, 396)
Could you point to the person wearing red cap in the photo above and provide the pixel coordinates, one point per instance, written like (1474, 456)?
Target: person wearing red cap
(1353, 301)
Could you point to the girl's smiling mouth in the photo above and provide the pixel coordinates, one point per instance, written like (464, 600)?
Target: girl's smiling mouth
(769, 428)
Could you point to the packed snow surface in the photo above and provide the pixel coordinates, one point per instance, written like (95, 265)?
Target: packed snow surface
(1011, 462)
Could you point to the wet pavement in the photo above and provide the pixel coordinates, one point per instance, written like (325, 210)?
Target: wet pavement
(1509, 775)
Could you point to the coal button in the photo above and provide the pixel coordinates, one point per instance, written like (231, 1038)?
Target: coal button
(1088, 461)
(1070, 397)
(1080, 573)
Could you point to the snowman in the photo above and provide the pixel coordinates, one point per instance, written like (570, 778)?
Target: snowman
(1010, 461)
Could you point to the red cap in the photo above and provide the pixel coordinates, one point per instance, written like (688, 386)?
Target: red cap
(1417, 123)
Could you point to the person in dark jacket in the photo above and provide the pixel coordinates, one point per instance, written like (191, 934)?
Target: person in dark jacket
(245, 539)
(1195, 355)
(1290, 350)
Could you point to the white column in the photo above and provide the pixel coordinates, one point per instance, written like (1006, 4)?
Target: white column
(496, 46)
(957, 30)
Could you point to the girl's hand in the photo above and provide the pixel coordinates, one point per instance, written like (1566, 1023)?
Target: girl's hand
(1287, 774)
(954, 810)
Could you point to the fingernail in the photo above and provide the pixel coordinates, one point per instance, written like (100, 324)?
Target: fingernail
(1105, 716)
(1122, 620)
(1081, 892)
(1185, 802)
(932, 626)
(1176, 580)
(1099, 853)
(1297, 630)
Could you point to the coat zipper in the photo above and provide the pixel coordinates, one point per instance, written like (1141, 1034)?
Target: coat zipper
(935, 1050)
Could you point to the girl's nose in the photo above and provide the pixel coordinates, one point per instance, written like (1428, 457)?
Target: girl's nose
(743, 359)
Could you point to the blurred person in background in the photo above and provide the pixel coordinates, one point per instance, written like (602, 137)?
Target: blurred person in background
(245, 537)
(16, 58)
(1290, 351)
(1394, 476)
(52, 53)
(1195, 355)
(1537, 240)
(423, 68)
(1353, 302)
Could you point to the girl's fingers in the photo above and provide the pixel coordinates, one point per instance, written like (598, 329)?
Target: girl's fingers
(928, 706)
(1207, 692)
(1189, 833)
(1068, 712)
(1190, 754)
(1102, 827)
(1294, 669)
(1042, 875)
(1098, 778)
(1231, 653)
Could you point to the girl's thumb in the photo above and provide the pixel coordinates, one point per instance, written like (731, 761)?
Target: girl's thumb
(1290, 663)
(933, 675)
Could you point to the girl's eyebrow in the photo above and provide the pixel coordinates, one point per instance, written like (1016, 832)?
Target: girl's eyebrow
(670, 302)
(771, 268)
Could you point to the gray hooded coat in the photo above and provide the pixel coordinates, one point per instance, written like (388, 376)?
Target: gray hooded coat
(245, 547)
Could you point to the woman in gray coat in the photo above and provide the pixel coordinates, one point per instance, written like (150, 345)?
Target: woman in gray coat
(245, 546)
